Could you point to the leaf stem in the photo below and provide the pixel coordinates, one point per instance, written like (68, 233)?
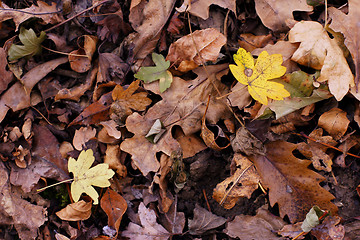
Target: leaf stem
(55, 184)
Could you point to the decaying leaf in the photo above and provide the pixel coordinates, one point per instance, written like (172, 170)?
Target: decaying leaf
(75, 211)
(334, 122)
(274, 14)
(330, 228)
(204, 220)
(184, 54)
(318, 51)
(80, 60)
(84, 176)
(256, 76)
(159, 72)
(112, 157)
(6, 76)
(173, 220)
(201, 8)
(114, 205)
(127, 100)
(243, 182)
(316, 152)
(312, 219)
(291, 184)
(262, 226)
(82, 136)
(348, 25)
(149, 229)
(31, 47)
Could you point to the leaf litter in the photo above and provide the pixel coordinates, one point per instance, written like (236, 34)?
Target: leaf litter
(288, 114)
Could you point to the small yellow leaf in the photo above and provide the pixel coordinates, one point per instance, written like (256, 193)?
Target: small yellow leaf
(256, 76)
(84, 176)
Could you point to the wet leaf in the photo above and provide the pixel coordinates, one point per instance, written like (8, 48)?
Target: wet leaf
(31, 44)
(84, 176)
(159, 72)
(256, 76)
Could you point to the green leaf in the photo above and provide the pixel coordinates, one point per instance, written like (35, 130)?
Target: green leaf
(158, 72)
(31, 47)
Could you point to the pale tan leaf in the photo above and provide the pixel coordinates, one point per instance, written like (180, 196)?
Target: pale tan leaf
(82, 136)
(75, 211)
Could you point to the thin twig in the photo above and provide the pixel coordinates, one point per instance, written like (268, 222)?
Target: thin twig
(30, 13)
(206, 200)
(63, 53)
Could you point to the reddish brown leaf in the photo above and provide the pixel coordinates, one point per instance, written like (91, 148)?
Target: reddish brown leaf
(175, 24)
(114, 205)
(83, 63)
(291, 184)
(95, 112)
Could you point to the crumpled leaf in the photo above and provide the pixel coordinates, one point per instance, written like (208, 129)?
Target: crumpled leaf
(256, 76)
(126, 100)
(76, 211)
(318, 51)
(31, 44)
(155, 132)
(112, 157)
(84, 176)
(348, 25)
(331, 229)
(246, 181)
(312, 219)
(184, 54)
(48, 13)
(296, 188)
(149, 229)
(159, 72)
(82, 63)
(274, 14)
(114, 205)
(204, 220)
(200, 8)
(82, 136)
(316, 152)
(335, 122)
(261, 226)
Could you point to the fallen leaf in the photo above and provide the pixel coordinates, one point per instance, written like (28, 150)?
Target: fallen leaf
(82, 63)
(318, 51)
(335, 122)
(17, 97)
(275, 14)
(75, 211)
(261, 226)
(183, 52)
(173, 220)
(149, 229)
(111, 68)
(256, 77)
(82, 136)
(126, 100)
(291, 231)
(14, 210)
(112, 157)
(114, 205)
(316, 152)
(190, 145)
(31, 44)
(84, 176)
(329, 229)
(159, 72)
(111, 128)
(347, 24)
(312, 219)
(95, 112)
(148, 19)
(6, 76)
(296, 188)
(204, 220)
(251, 42)
(200, 8)
(41, 10)
(243, 182)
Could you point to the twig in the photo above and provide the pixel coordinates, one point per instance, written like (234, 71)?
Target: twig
(207, 202)
(63, 53)
(30, 13)
(76, 15)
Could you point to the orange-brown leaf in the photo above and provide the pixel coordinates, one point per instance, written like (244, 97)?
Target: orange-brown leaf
(334, 122)
(75, 211)
(291, 184)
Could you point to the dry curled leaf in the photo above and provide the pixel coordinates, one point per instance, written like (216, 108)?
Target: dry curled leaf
(75, 211)
(80, 60)
(82, 136)
(334, 122)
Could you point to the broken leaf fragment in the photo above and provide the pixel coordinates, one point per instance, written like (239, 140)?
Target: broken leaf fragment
(84, 176)
(159, 72)
(31, 47)
(256, 75)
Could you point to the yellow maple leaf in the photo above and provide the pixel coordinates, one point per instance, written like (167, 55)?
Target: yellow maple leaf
(84, 176)
(256, 76)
